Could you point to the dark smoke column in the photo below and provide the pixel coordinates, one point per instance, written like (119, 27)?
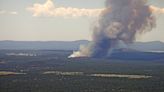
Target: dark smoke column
(122, 20)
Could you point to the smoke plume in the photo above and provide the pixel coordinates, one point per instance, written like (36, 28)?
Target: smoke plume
(121, 21)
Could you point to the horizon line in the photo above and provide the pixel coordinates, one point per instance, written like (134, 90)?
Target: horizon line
(66, 40)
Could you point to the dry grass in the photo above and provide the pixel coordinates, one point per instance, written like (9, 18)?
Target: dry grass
(9, 73)
(98, 75)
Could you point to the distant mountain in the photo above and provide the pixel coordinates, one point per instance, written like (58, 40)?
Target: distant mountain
(148, 46)
(42, 45)
(72, 45)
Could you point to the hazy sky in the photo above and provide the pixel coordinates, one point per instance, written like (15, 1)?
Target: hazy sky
(58, 20)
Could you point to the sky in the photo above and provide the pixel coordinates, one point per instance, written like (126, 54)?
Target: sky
(59, 20)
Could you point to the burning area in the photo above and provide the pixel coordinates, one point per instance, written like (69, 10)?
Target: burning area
(120, 22)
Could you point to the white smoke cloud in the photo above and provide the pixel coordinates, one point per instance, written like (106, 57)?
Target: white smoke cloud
(49, 9)
(157, 9)
(84, 52)
(13, 12)
(8, 12)
(2, 11)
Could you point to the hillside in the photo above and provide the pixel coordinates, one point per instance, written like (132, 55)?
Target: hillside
(72, 45)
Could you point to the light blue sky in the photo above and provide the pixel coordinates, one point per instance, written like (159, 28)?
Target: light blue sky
(23, 26)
